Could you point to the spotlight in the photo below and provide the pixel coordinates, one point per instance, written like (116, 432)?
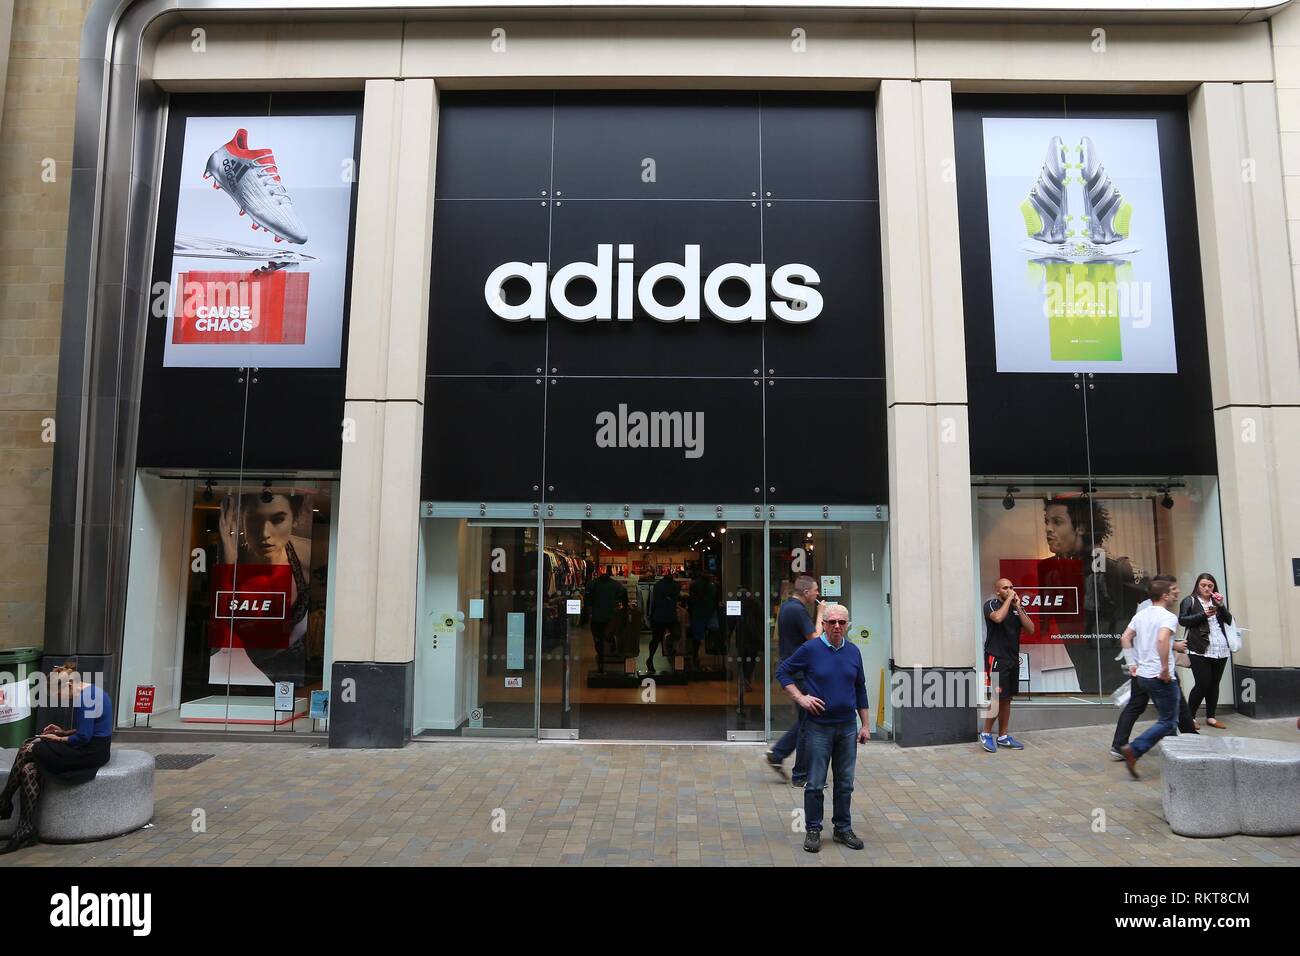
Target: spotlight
(1166, 501)
(1009, 502)
(207, 489)
(266, 491)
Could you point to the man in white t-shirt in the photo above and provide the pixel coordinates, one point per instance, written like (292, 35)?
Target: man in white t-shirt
(1148, 643)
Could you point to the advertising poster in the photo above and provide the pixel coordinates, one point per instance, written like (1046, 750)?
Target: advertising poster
(258, 630)
(1078, 252)
(261, 241)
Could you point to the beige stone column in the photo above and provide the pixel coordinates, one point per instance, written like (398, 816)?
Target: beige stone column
(1250, 315)
(379, 495)
(930, 533)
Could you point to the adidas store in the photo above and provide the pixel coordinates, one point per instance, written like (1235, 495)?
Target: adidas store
(480, 315)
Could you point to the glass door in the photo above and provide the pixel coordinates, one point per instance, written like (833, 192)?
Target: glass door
(476, 651)
(743, 629)
(570, 639)
(848, 564)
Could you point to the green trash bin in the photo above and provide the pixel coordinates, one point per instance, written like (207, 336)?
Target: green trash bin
(17, 722)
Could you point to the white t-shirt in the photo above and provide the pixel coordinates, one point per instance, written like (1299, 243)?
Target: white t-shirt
(1147, 624)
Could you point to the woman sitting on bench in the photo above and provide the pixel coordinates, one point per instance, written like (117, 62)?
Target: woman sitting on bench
(68, 756)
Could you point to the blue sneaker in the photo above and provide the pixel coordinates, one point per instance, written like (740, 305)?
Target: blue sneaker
(1006, 740)
(986, 741)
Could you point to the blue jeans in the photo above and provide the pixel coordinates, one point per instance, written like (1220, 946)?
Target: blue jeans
(1165, 697)
(793, 741)
(836, 746)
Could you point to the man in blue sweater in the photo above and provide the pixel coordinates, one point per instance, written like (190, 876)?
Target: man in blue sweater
(837, 687)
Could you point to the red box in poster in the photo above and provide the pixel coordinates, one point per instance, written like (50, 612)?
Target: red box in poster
(1051, 591)
(144, 698)
(241, 308)
(249, 605)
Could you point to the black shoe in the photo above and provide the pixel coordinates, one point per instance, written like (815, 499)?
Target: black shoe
(848, 838)
(776, 764)
(22, 837)
(813, 841)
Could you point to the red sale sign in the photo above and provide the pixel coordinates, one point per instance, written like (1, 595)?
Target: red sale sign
(144, 698)
(249, 607)
(1050, 591)
(239, 308)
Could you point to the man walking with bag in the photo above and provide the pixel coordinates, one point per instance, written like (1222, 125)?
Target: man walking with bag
(1148, 643)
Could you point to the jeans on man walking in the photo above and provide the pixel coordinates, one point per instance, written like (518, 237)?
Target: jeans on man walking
(1165, 697)
(792, 741)
(834, 746)
(1136, 707)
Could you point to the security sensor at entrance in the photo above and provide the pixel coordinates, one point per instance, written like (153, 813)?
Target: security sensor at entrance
(796, 301)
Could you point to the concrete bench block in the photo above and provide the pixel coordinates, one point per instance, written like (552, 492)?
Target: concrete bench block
(1220, 786)
(117, 801)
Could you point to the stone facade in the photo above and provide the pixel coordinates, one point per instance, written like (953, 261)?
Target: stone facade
(36, 128)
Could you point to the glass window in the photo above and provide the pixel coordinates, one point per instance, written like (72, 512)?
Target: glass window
(227, 597)
(1081, 562)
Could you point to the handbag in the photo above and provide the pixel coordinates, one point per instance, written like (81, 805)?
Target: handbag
(1234, 637)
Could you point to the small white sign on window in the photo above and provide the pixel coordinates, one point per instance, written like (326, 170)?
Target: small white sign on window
(476, 717)
(733, 609)
(830, 585)
(476, 609)
(514, 682)
(573, 606)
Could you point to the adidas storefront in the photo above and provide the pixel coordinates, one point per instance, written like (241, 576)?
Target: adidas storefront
(456, 376)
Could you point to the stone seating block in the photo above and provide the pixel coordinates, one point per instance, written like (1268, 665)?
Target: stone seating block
(1220, 786)
(117, 801)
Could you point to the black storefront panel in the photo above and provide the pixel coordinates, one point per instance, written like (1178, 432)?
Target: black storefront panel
(482, 439)
(468, 240)
(494, 145)
(827, 441)
(632, 439)
(657, 273)
(836, 238)
(657, 146)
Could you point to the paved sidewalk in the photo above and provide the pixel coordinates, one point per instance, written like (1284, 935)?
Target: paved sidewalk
(604, 804)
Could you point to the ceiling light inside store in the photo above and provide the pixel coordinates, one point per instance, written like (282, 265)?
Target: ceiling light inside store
(659, 530)
(1009, 502)
(645, 531)
(631, 530)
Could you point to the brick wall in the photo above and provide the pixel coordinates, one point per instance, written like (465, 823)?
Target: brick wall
(37, 125)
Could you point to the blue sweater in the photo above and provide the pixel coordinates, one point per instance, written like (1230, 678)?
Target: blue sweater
(92, 715)
(833, 675)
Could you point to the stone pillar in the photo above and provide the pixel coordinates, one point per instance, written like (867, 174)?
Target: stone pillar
(930, 528)
(372, 684)
(1250, 316)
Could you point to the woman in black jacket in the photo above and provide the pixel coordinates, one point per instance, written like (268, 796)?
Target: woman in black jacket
(1205, 616)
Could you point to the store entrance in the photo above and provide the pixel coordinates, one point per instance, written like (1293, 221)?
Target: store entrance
(653, 629)
(657, 625)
